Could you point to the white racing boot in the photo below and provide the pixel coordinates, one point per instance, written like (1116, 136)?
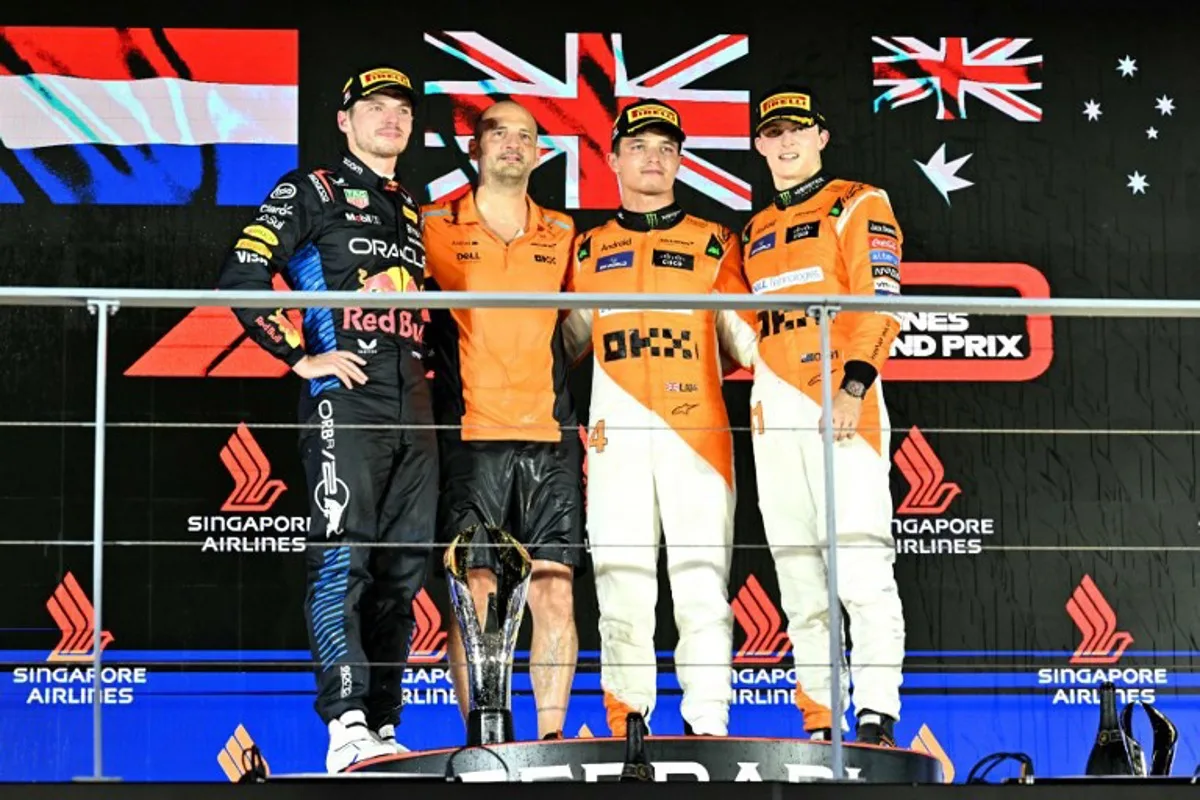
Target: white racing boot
(351, 742)
(386, 736)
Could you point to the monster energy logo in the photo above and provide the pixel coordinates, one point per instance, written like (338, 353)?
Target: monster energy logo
(652, 219)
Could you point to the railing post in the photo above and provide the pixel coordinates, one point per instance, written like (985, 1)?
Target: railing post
(103, 309)
(824, 316)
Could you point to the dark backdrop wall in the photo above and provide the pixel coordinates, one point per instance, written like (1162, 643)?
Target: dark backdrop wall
(1046, 469)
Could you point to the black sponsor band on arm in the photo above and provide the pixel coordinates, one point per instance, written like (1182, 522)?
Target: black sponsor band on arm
(859, 371)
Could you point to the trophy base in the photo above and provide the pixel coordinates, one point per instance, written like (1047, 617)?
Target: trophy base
(489, 726)
(674, 758)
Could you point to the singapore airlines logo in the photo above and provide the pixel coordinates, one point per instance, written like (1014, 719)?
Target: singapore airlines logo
(72, 611)
(253, 487)
(928, 490)
(1102, 643)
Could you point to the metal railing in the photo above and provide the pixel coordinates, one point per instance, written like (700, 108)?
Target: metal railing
(103, 303)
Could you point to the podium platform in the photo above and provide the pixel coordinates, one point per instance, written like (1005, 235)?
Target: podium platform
(674, 758)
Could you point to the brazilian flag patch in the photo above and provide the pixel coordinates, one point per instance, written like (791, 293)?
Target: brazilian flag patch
(585, 249)
(836, 211)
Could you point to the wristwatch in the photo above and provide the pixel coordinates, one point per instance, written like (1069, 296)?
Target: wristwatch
(855, 389)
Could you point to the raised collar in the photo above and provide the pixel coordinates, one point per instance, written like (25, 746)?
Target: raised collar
(663, 218)
(363, 174)
(801, 192)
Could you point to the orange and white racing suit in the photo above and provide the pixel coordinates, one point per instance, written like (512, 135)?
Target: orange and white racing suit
(828, 237)
(660, 452)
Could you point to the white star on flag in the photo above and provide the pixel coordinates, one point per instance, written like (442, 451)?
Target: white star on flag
(1126, 66)
(942, 174)
(1164, 104)
(1091, 110)
(1152, 132)
(1137, 182)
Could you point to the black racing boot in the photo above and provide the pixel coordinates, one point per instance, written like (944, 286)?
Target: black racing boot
(875, 728)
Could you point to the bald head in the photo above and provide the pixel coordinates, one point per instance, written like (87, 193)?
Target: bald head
(505, 144)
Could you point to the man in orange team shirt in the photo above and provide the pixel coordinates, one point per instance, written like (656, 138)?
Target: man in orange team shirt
(510, 455)
(826, 236)
(660, 448)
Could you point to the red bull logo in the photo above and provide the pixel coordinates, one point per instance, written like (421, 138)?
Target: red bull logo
(394, 321)
(393, 279)
(291, 334)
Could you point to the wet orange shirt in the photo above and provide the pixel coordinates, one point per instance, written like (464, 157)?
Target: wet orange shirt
(667, 360)
(500, 373)
(842, 239)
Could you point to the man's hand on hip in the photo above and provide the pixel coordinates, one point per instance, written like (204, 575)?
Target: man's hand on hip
(341, 364)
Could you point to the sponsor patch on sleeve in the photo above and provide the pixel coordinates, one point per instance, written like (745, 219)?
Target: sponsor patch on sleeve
(883, 257)
(259, 232)
(254, 246)
(881, 228)
(884, 271)
(886, 286)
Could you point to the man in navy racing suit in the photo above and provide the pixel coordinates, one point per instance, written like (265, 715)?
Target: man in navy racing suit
(372, 479)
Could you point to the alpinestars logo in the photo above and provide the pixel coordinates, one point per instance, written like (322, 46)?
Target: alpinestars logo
(424, 685)
(75, 617)
(766, 644)
(575, 106)
(927, 531)
(1101, 643)
(64, 684)
(254, 492)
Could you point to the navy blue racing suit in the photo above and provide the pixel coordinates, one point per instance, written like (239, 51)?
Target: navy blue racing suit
(372, 479)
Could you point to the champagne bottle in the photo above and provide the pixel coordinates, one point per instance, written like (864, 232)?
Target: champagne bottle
(1110, 753)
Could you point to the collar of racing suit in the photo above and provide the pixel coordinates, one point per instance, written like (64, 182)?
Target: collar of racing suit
(367, 176)
(801, 192)
(667, 217)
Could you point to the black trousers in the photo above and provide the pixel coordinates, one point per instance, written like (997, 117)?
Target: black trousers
(373, 495)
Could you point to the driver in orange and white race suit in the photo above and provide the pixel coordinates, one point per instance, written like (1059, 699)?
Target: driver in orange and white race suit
(826, 236)
(660, 449)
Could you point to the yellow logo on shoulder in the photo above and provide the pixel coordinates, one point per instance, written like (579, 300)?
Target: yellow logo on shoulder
(259, 232)
(254, 246)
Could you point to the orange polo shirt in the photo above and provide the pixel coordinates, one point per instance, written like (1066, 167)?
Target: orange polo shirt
(499, 373)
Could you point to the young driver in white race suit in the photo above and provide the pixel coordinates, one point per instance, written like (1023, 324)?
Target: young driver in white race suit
(826, 236)
(660, 449)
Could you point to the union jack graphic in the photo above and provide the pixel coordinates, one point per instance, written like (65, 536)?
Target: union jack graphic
(576, 115)
(951, 70)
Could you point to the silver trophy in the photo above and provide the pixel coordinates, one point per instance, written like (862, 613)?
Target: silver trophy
(489, 648)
